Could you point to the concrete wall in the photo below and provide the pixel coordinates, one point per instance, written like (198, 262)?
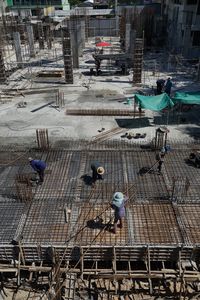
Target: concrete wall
(102, 27)
(182, 21)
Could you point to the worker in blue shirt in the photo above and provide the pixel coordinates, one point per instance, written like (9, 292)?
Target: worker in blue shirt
(39, 166)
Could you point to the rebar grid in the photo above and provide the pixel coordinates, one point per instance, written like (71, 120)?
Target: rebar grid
(88, 216)
(46, 222)
(190, 222)
(154, 224)
(177, 165)
(147, 187)
(64, 185)
(10, 216)
(61, 175)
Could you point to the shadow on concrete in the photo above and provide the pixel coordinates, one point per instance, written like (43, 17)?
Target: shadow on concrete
(145, 170)
(133, 123)
(87, 179)
(176, 119)
(193, 132)
(163, 119)
(98, 224)
(90, 61)
(189, 162)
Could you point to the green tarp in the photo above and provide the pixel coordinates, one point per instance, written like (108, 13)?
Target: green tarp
(187, 97)
(155, 103)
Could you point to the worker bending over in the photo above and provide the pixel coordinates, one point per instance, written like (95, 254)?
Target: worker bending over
(39, 166)
(118, 204)
(97, 171)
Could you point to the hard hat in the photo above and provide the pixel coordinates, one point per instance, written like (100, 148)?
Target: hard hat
(30, 159)
(100, 170)
(118, 198)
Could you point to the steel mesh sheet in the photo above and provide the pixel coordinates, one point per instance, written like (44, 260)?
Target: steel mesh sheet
(91, 232)
(178, 165)
(190, 222)
(154, 224)
(64, 185)
(45, 222)
(10, 216)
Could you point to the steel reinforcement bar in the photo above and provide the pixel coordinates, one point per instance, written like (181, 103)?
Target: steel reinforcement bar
(104, 112)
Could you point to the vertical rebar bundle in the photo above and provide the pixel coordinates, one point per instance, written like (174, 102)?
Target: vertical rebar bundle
(42, 138)
(83, 33)
(67, 55)
(41, 36)
(180, 189)
(23, 188)
(30, 40)
(2, 68)
(138, 61)
(122, 31)
(60, 99)
(17, 45)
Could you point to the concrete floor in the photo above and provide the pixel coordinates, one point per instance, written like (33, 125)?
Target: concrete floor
(19, 124)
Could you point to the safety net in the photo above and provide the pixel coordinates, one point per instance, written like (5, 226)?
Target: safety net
(155, 103)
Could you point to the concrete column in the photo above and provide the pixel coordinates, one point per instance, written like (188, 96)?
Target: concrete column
(49, 37)
(41, 36)
(117, 25)
(2, 68)
(75, 50)
(132, 40)
(29, 29)
(187, 41)
(198, 71)
(79, 39)
(83, 33)
(17, 46)
(127, 38)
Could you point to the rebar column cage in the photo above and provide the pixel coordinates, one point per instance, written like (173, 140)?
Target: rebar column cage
(161, 137)
(67, 56)
(42, 138)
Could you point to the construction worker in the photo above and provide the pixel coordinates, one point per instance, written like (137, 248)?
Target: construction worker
(160, 158)
(118, 204)
(97, 65)
(168, 86)
(160, 84)
(97, 171)
(39, 166)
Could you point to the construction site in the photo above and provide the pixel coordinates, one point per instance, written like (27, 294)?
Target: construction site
(72, 91)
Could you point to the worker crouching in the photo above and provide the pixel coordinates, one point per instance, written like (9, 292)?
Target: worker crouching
(118, 204)
(39, 166)
(97, 171)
